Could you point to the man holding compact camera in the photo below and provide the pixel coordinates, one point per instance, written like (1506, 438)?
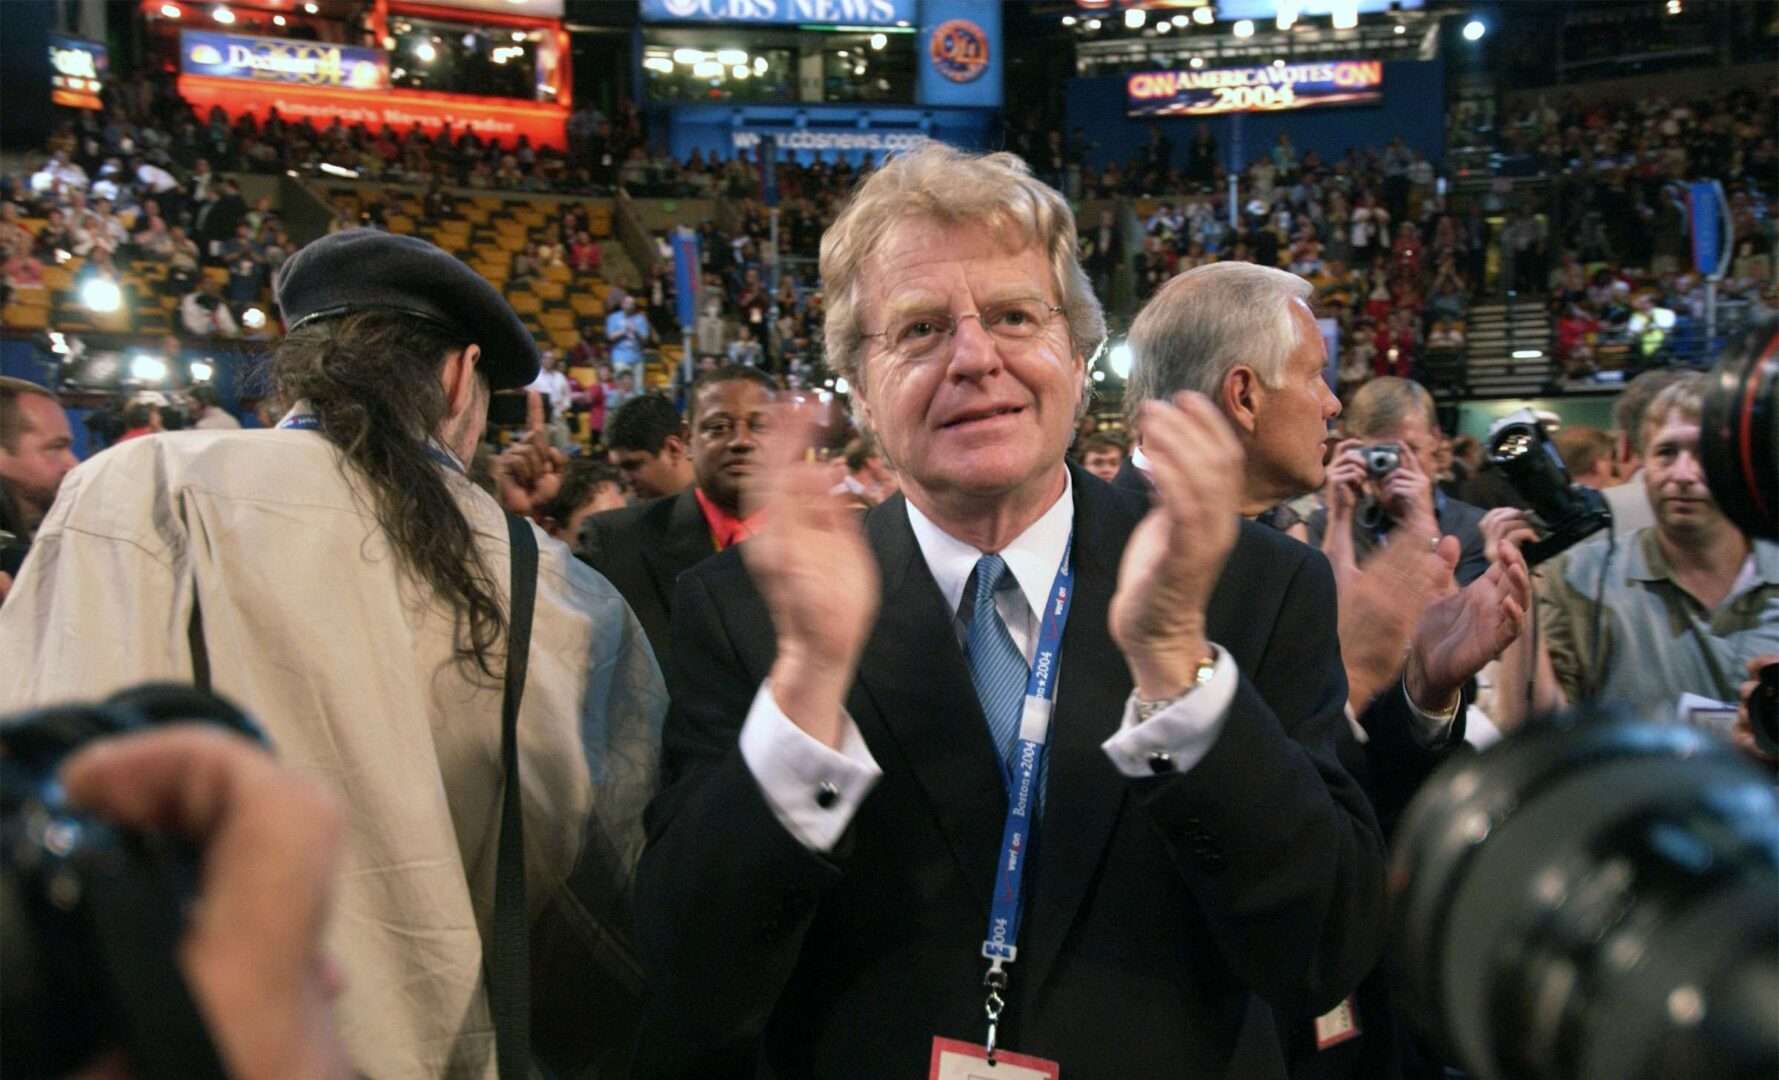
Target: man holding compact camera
(1385, 477)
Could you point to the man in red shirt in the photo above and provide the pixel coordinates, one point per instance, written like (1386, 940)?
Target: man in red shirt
(644, 548)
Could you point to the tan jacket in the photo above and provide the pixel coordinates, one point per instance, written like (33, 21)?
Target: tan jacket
(347, 663)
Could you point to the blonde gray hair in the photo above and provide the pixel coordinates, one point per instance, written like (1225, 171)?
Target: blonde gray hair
(939, 183)
(1203, 323)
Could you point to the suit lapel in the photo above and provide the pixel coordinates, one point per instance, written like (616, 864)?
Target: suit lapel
(914, 687)
(685, 543)
(1085, 792)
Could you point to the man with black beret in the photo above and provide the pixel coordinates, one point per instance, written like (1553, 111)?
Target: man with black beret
(340, 578)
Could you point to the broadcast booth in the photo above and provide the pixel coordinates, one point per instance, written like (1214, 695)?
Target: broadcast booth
(498, 69)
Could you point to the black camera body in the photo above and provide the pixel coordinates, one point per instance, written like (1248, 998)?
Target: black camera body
(1568, 512)
(91, 915)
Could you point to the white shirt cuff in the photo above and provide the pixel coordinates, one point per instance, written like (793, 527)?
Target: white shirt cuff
(1431, 729)
(1179, 735)
(813, 790)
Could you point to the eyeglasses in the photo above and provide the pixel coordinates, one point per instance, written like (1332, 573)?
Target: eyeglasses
(920, 334)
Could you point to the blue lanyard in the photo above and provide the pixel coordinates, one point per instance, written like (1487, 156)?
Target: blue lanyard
(311, 422)
(1008, 903)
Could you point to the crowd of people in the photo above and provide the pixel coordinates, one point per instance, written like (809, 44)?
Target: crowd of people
(833, 747)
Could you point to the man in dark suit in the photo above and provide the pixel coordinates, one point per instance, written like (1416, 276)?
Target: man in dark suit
(1244, 335)
(1400, 413)
(858, 722)
(643, 549)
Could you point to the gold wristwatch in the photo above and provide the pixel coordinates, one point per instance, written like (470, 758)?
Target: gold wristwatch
(1200, 677)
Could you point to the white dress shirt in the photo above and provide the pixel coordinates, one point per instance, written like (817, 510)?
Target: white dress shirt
(792, 768)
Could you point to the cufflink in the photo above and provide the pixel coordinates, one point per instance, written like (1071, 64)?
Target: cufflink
(1161, 763)
(827, 795)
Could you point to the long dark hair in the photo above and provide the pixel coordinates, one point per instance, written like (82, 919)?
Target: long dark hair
(372, 379)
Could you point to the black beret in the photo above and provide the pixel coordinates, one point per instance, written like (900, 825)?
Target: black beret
(369, 270)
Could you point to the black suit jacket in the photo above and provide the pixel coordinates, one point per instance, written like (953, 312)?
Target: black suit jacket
(643, 549)
(1456, 518)
(1159, 907)
(1391, 765)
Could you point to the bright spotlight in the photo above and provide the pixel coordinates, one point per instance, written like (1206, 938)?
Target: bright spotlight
(278, 20)
(1400, 29)
(223, 15)
(759, 65)
(1093, 24)
(101, 294)
(879, 41)
(841, 386)
(659, 63)
(1286, 20)
(1474, 30)
(707, 69)
(201, 371)
(731, 57)
(1134, 18)
(1098, 375)
(1068, 20)
(1344, 14)
(1244, 28)
(1204, 16)
(253, 318)
(312, 9)
(1120, 359)
(687, 56)
(1278, 63)
(1179, 20)
(740, 71)
(1198, 61)
(1162, 27)
(148, 369)
(171, 11)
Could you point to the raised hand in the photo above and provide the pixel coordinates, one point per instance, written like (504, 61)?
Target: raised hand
(1462, 632)
(1382, 604)
(1177, 551)
(816, 573)
(528, 474)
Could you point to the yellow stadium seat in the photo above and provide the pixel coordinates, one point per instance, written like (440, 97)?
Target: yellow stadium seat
(564, 339)
(401, 225)
(511, 241)
(583, 375)
(524, 303)
(20, 316)
(586, 303)
(556, 318)
(559, 272)
(548, 290)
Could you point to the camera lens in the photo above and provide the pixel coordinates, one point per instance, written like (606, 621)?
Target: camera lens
(1594, 898)
(1739, 432)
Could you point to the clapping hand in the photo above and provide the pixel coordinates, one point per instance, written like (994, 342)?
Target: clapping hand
(813, 568)
(528, 474)
(1175, 556)
(1462, 632)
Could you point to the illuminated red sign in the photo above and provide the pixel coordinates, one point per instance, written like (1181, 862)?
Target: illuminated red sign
(400, 109)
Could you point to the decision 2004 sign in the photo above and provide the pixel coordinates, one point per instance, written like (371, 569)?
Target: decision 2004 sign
(1257, 89)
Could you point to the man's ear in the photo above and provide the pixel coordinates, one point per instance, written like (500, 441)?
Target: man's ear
(460, 379)
(1241, 398)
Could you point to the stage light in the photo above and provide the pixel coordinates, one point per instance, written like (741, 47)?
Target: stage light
(707, 69)
(1134, 18)
(253, 318)
(659, 63)
(1120, 360)
(1204, 16)
(759, 65)
(1244, 28)
(1179, 20)
(201, 371)
(1279, 63)
(171, 11)
(1162, 28)
(311, 9)
(1197, 62)
(841, 386)
(1093, 24)
(879, 41)
(1474, 30)
(731, 57)
(223, 15)
(101, 294)
(687, 56)
(1068, 20)
(278, 20)
(740, 71)
(1345, 14)
(1401, 29)
(148, 369)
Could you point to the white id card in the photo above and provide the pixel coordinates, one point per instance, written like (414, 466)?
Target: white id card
(955, 1060)
(1337, 1025)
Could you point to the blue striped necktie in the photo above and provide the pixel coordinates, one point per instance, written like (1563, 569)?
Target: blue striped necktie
(997, 667)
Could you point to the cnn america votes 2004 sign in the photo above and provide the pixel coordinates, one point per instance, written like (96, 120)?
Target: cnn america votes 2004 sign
(1270, 88)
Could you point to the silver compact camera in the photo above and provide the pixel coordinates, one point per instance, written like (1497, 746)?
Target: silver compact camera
(1381, 460)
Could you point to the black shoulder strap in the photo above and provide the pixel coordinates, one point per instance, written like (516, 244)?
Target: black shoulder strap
(509, 961)
(194, 636)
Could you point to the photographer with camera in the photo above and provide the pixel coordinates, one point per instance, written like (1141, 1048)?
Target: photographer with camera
(1396, 424)
(36, 451)
(486, 707)
(1681, 609)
